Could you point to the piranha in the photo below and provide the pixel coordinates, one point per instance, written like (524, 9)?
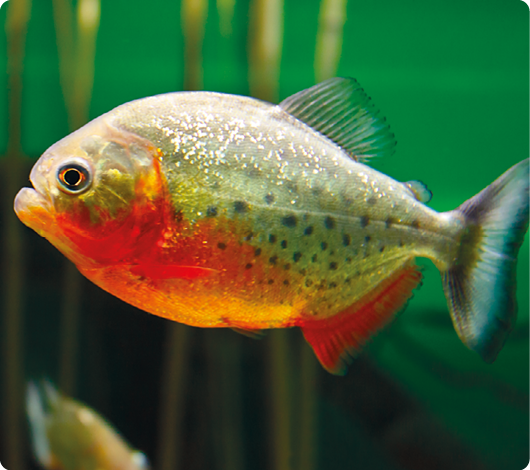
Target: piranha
(67, 435)
(217, 210)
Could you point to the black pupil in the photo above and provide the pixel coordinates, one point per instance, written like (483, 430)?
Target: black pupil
(72, 177)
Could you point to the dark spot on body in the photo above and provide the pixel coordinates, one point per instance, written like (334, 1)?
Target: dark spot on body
(248, 237)
(308, 282)
(364, 221)
(284, 244)
(211, 211)
(221, 246)
(286, 282)
(179, 216)
(401, 244)
(324, 246)
(269, 198)
(296, 256)
(303, 272)
(272, 238)
(241, 207)
(270, 281)
(273, 259)
(248, 266)
(415, 224)
(329, 223)
(367, 238)
(289, 221)
(371, 201)
(287, 266)
(314, 258)
(291, 186)
(332, 285)
(257, 252)
(389, 222)
(333, 265)
(382, 248)
(308, 230)
(348, 260)
(346, 240)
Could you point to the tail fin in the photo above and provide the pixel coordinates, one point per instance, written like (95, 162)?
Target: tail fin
(480, 285)
(37, 421)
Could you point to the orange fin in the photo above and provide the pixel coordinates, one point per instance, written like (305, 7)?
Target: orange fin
(336, 340)
(165, 271)
(254, 334)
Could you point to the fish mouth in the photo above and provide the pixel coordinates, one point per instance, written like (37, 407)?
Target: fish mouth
(34, 210)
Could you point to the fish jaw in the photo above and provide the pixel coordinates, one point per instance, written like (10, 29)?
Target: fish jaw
(35, 211)
(38, 213)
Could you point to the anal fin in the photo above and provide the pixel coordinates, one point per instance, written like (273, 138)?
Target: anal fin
(336, 340)
(254, 334)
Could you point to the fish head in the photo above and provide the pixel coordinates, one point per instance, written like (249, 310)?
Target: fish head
(90, 191)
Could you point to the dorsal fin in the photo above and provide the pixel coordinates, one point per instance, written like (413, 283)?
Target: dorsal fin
(340, 109)
(420, 191)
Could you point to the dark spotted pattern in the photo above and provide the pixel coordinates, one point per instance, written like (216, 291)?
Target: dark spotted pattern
(329, 223)
(296, 256)
(364, 221)
(211, 211)
(346, 240)
(308, 230)
(241, 207)
(269, 198)
(289, 221)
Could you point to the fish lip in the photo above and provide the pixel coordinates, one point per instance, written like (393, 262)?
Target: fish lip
(34, 209)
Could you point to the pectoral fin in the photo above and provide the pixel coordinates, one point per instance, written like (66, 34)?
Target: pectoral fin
(171, 271)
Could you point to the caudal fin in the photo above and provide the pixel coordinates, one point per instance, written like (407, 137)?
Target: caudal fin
(480, 285)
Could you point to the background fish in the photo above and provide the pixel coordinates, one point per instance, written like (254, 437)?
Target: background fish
(223, 211)
(67, 435)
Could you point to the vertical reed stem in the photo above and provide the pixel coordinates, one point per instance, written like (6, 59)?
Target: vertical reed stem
(225, 390)
(172, 396)
(329, 38)
(225, 10)
(76, 42)
(193, 19)
(307, 444)
(266, 35)
(18, 14)
(281, 413)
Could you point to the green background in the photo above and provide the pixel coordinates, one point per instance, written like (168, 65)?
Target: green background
(452, 79)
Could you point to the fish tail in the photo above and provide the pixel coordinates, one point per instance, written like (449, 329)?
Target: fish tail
(480, 285)
(37, 421)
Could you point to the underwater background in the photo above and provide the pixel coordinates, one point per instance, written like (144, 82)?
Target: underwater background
(452, 80)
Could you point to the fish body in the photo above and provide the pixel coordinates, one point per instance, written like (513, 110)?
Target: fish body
(224, 211)
(67, 435)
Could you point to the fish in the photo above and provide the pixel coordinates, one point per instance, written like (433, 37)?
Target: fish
(224, 211)
(68, 435)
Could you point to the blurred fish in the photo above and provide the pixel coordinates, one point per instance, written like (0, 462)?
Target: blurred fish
(67, 435)
(217, 210)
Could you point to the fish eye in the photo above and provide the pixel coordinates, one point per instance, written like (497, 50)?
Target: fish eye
(74, 177)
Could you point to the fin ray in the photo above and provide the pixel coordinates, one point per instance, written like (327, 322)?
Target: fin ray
(338, 339)
(480, 286)
(339, 109)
